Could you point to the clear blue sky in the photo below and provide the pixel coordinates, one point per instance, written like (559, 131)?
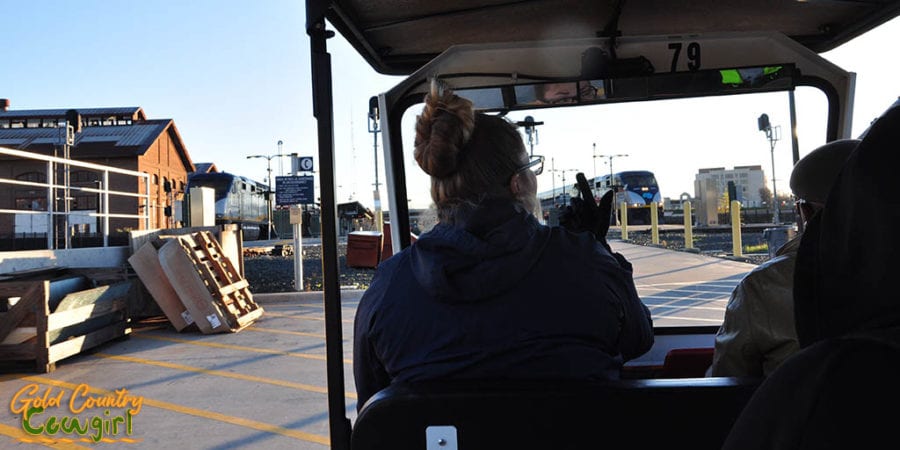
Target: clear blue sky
(235, 78)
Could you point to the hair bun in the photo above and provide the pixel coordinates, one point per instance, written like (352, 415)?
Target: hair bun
(442, 131)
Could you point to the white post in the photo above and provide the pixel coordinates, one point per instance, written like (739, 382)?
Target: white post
(297, 222)
(51, 209)
(105, 208)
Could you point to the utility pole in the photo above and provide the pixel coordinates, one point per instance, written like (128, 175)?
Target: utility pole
(773, 134)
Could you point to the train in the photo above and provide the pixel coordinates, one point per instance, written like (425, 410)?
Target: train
(239, 200)
(638, 189)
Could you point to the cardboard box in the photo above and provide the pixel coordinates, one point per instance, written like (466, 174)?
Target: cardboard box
(146, 265)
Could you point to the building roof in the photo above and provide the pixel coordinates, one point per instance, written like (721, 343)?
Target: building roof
(206, 167)
(131, 139)
(112, 141)
(135, 112)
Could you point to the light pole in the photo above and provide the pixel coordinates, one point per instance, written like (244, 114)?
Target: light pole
(374, 129)
(772, 134)
(530, 131)
(565, 193)
(612, 178)
(620, 155)
(563, 172)
(271, 189)
(553, 181)
(280, 164)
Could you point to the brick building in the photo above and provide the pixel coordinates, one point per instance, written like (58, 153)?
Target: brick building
(118, 137)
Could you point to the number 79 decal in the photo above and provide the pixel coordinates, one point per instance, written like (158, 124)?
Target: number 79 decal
(693, 55)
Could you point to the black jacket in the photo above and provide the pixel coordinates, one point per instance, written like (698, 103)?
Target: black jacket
(499, 296)
(842, 389)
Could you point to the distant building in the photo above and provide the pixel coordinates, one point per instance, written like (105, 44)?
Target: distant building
(205, 167)
(748, 180)
(119, 137)
(711, 185)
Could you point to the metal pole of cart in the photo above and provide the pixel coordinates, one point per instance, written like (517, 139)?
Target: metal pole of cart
(339, 424)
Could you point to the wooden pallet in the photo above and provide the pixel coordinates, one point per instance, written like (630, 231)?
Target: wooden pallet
(33, 329)
(214, 291)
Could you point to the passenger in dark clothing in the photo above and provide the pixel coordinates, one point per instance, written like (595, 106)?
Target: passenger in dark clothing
(842, 389)
(489, 292)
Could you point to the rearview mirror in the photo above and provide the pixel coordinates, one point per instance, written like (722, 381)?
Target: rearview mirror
(647, 87)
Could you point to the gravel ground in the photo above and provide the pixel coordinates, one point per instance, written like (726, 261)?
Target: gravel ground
(269, 274)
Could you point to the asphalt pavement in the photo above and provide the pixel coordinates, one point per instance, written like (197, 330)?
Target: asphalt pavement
(265, 386)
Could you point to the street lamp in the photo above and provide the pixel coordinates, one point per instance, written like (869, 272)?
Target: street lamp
(270, 189)
(620, 155)
(530, 131)
(611, 177)
(773, 134)
(280, 164)
(374, 129)
(563, 172)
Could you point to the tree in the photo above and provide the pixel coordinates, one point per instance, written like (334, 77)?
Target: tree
(765, 195)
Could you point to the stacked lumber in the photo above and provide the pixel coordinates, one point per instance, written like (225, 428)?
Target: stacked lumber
(194, 282)
(58, 315)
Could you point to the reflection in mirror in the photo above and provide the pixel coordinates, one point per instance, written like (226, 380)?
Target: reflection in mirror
(703, 82)
(484, 98)
(656, 86)
(560, 93)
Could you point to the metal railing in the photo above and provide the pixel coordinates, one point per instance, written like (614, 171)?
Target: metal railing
(61, 191)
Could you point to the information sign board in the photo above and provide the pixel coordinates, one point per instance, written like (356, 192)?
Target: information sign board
(294, 190)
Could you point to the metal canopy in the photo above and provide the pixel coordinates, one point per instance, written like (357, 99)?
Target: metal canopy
(399, 36)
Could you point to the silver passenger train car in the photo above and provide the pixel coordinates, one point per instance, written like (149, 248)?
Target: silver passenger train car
(238, 200)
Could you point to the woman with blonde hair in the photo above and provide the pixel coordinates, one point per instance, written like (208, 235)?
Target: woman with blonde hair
(489, 292)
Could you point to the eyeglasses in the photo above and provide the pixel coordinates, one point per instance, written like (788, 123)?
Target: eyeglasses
(811, 206)
(535, 163)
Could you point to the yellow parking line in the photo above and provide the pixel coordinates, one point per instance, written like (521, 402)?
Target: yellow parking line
(22, 436)
(294, 316)
(293, 333)
(221, 373)
(247, 423)
(233, 347)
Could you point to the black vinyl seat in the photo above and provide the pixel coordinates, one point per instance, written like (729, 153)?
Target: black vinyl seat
(694, 413)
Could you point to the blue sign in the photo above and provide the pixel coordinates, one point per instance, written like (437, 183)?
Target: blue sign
(298, 190)
(301, 164)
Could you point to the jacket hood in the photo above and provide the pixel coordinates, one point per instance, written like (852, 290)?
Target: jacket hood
(480, 257)
(849, 255)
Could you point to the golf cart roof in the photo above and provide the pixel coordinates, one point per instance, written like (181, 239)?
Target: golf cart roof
(399, 36)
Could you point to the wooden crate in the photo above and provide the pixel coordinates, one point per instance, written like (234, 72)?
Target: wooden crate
(211, 288)
(33, 328)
